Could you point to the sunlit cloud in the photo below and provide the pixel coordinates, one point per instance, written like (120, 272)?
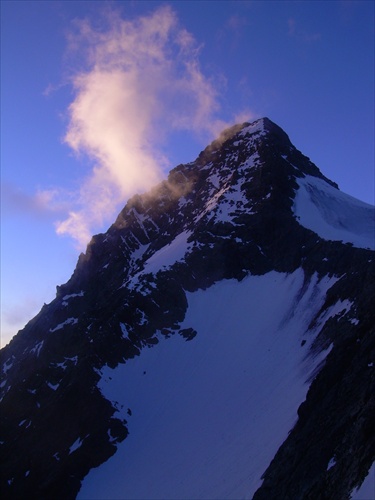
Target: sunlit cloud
(245, 116)
(141, 79)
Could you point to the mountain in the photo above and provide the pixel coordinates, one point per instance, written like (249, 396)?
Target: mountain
(216, 342)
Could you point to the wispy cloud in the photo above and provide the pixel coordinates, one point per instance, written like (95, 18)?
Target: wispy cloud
(232, 31)
(300, 34)
(42, 204)
(237, 22)
(141, 78)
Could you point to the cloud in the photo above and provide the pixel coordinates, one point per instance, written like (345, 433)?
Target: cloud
(140, 79)
(232, 31)
(42, 204)
(237, 22)
(295, 31)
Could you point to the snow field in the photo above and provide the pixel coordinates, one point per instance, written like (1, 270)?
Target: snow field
(207, 416)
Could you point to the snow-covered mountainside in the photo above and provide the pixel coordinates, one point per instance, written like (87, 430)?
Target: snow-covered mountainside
(215, 397)
(216, 342)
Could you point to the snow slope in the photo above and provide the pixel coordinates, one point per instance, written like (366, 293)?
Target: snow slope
(208, 415)
(334, 215)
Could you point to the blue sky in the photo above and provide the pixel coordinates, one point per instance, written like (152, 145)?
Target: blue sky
(100, 99)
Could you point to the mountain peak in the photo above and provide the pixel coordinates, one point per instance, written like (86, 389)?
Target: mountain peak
(265, 139)
(262, 124)
(211, 302)
(241, 130)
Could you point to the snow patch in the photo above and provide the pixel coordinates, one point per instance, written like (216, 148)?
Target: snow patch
(54, 387)
(253, 128)
(37, 348)
(165, 257)
(124, 331)
(137, 254)
(69, 321)
(67, 297)
(341, 307)
(7, 365)
(63, 365)
(112, 439)
(77, 443)
(214, 179)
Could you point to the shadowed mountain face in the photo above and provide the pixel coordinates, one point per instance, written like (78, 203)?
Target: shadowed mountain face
(216, 342)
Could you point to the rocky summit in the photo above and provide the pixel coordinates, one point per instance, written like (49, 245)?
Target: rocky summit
(216, 342)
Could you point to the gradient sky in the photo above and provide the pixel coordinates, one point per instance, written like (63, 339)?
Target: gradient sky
(100, 99)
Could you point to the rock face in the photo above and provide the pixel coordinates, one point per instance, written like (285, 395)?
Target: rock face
(230, 214)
